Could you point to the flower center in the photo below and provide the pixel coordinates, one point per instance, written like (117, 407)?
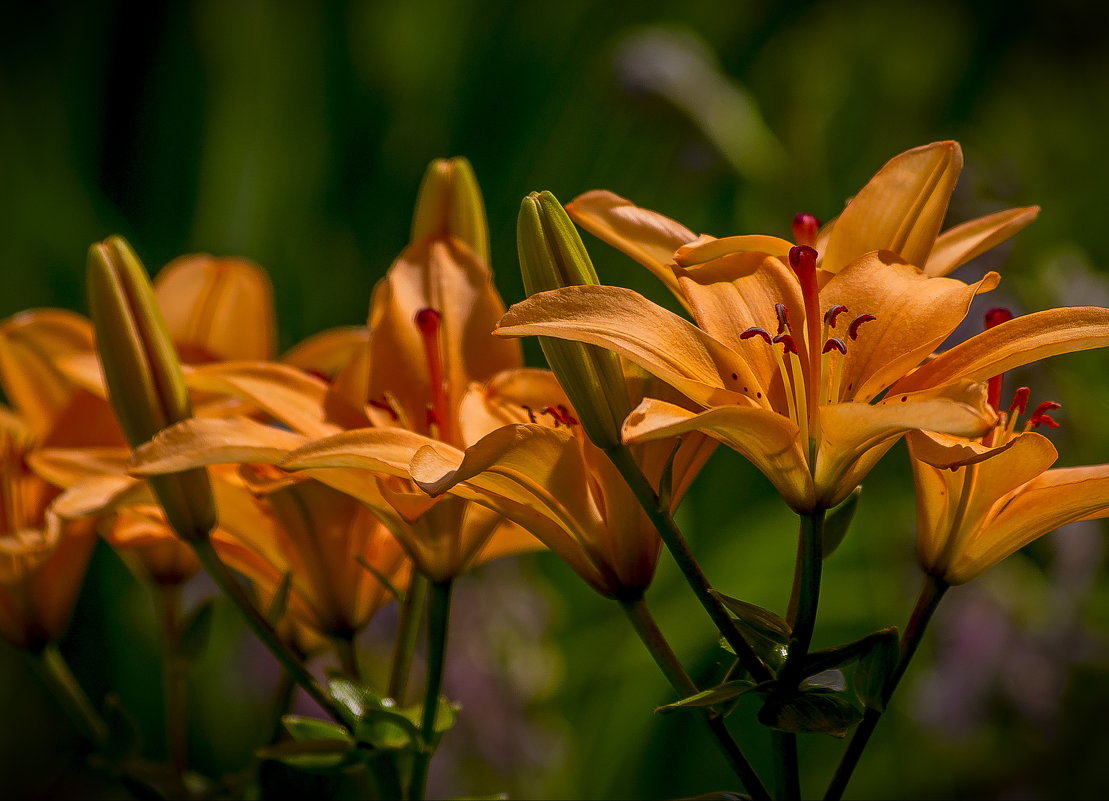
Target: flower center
(429, 321)
(1006, 427)
(559, 415)
(811, 372)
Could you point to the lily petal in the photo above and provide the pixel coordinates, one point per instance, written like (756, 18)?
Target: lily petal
(915, 313)
(646, 236)
(1014, 343)
(767, 439)
(201, 441)
(621, 320)
(325, 353)
(698, 253)
(217, 309)
(958, 245)
(387, 451)
(900, 209)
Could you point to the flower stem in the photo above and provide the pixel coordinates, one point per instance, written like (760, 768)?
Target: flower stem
(930, 596)
(672, 536)
(174, 677)
(439, 609)
(56, 673)
(231, 587)
(348, 656)
(408, 632)
(645, 626)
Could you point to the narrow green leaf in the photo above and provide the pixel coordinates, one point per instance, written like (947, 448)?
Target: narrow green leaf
(838, 522)
(280, 601)
(814, 711)
(377, 574)
(840, 655)
(323, 755)
(875, 668)
(305, 728)
(826, 680)
(711, 697)
(666, 479)
(769, 624)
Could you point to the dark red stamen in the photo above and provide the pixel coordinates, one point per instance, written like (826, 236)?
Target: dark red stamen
(997, 316)
(783, 317)
(756, 332)
(832, 314)
(1020, 400)
(531, 414)
(431, 418)
(1040, 417)
(567, 418)
(805, 228)
(835, 343)
(385, 407)
(853, 329)
(787, 343)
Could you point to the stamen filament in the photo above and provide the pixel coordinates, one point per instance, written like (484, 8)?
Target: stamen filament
(429, 322)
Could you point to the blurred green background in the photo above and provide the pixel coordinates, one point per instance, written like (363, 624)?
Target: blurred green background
(295, 134)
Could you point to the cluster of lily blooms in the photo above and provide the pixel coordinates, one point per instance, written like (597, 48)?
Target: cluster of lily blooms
(420, 441)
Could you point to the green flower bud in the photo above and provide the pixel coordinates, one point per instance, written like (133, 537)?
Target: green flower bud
(450, 204)
(552, 256)
(143, 375)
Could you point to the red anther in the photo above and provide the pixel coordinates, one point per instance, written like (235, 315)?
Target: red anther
(1020, 400)
(432, 419)
(531, 414)
(385, 407)
(427, 320)
(755, 331)
(1040, 417)
(997, 316)
(805, 228)
(833, 313)
(835, 343)
(567, 418)
(783, 317)
(787, 343)
(853, 329)
(556, 415)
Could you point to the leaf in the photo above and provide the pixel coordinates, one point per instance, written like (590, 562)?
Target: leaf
(826, 680)
(875, 668)
(195, 631)
(838, 521)
(840, 655)
(768, 623)
(305, 728)
(377, 574)
(323, 755)
(353, 698)
(813, 711)
(666, 479)
(715, 695)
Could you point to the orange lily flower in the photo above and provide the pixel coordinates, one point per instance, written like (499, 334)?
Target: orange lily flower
(42, 557)
(803, 399)
(428, 341)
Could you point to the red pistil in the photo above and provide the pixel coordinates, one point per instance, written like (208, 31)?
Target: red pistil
(835, 343)
(787, 343)
(997, 316)
(805, 229)
(1020, 401)
(755, 331)
(1040, 417)
(833, 313)
(783, 317)
(428, 320)
(853, 329)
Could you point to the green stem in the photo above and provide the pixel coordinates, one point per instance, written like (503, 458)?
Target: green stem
(679, 549)
(408, 632)
(645, 626)
(807, 591)
(348, 656)
(439, 610)
(231, 587)
(788, 774)
(930, 596)
(174, 677)
(55, 672)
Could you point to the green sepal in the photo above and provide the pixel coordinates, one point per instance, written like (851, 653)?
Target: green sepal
(195, 632)
(712, 696)
(837, 522)
(809, 712)
(875, 667)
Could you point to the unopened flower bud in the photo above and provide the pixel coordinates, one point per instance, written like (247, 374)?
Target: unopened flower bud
(143, 375)
(450, 204)
(552, 256)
